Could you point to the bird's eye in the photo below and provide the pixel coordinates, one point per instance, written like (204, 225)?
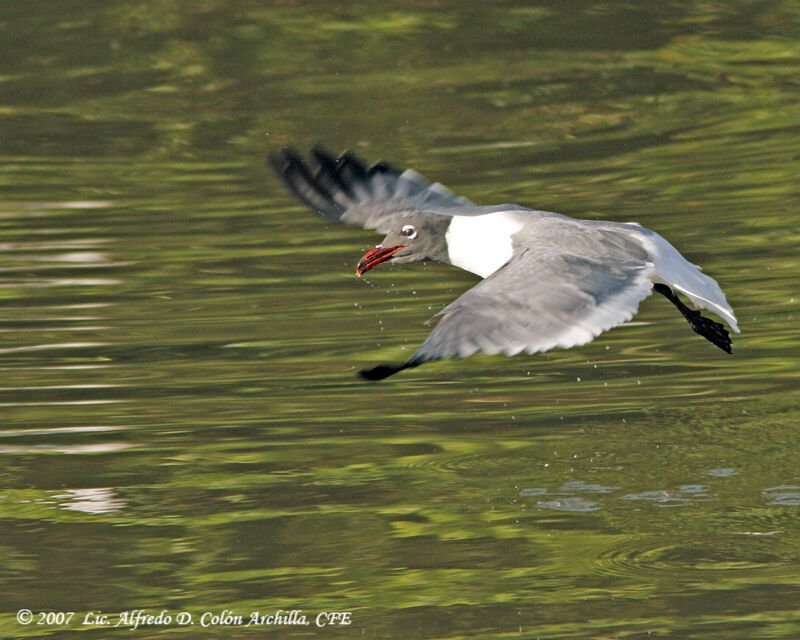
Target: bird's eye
(408, 231)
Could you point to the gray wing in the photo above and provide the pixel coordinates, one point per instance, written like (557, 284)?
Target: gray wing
(542, 298)
(345, 190)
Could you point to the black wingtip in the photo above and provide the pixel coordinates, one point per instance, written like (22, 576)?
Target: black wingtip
(327, 184)
(712, 331)
(383, 371)
(312, 188)
(380, 372)
(280, 159)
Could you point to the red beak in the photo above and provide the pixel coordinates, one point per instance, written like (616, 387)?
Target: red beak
(376, 256)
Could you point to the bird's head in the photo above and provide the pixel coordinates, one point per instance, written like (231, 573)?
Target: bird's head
(414, 238)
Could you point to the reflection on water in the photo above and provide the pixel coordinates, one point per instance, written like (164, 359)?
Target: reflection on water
(182, 424)
(97, 500)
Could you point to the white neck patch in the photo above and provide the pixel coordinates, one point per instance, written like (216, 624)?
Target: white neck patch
(482, 244)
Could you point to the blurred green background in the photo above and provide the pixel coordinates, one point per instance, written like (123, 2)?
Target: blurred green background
(181, 424)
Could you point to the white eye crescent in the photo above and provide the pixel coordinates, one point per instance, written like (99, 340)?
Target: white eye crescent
(409, 231)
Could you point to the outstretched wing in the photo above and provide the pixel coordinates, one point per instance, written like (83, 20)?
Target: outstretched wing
(345, 190)
(542, 298)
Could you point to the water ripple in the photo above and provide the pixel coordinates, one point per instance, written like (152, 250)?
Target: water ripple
(784, 496)
(564, 498)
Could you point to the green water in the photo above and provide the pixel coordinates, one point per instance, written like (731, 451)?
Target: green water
(181, 423)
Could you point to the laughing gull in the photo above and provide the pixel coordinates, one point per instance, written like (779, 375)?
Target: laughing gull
(548, 280)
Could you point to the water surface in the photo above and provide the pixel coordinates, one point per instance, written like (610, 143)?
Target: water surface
(182, 424)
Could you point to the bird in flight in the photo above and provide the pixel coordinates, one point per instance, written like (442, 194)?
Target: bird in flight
(548, 280)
